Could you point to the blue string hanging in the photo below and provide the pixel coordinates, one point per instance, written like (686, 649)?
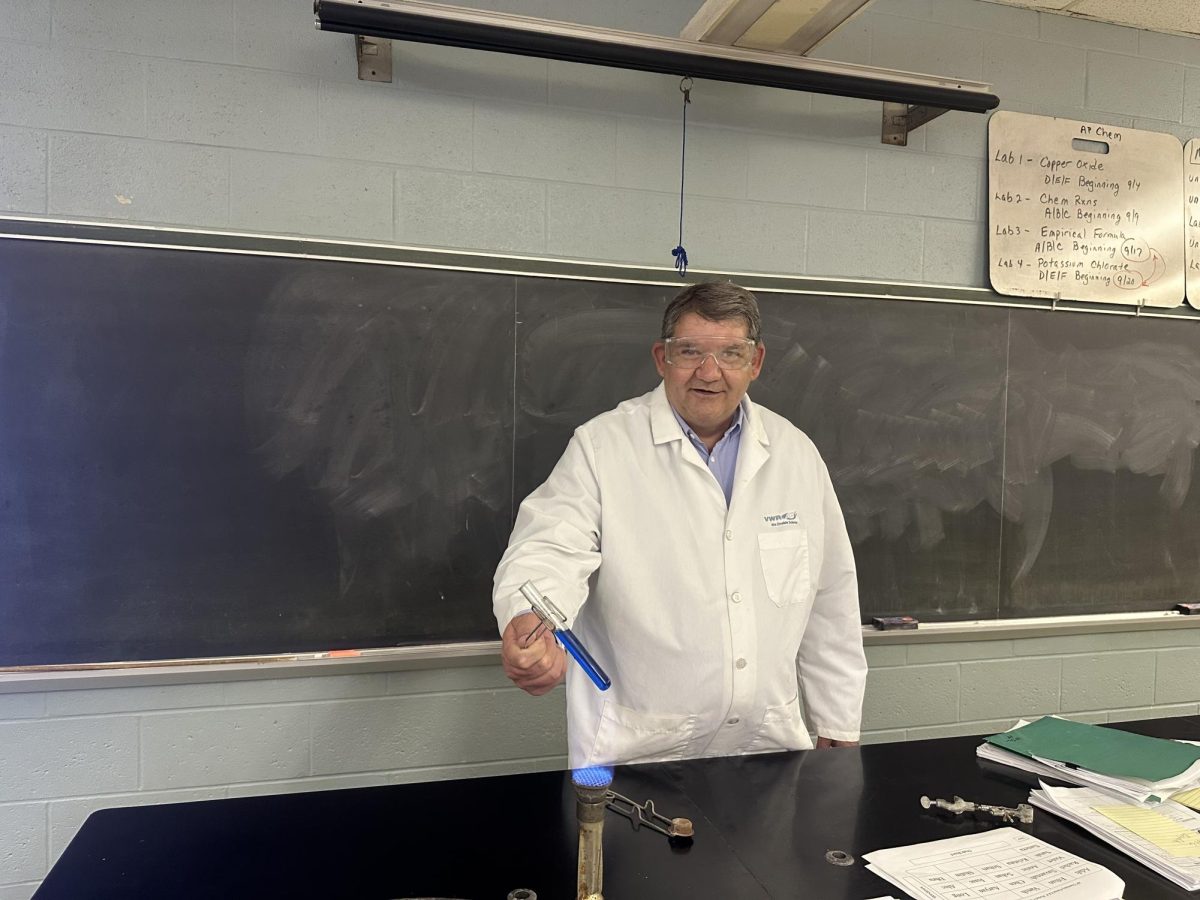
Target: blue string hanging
(681, 260)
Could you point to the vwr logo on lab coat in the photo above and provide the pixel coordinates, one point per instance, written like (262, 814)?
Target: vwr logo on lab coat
(787, 518)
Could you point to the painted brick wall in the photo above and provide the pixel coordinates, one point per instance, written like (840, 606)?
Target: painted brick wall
(238, 115)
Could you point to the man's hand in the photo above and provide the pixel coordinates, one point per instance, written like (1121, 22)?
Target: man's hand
(537, 668)
(824, 743)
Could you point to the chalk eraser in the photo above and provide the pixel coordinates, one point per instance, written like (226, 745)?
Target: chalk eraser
(894, 623)
(1188, 609)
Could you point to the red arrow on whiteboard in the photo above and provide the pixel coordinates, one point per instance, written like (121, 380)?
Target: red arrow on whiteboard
(1160, 266)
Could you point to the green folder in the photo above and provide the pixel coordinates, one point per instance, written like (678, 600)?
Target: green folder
(1103, 750)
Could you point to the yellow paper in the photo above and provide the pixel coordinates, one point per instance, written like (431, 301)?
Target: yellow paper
(1189, 798)
(1159, 830)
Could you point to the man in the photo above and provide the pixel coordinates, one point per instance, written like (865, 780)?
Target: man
(694, 542)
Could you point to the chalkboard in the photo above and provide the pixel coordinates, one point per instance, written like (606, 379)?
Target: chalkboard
(211, 454)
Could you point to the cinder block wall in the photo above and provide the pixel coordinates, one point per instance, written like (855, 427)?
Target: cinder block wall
(240, 116)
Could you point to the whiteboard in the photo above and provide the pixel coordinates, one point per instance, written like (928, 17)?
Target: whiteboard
(1191, 188)
(1068, 222)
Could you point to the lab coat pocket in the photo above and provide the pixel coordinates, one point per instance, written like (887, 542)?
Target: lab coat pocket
(784, 558)
(629, 736)
(782, 728)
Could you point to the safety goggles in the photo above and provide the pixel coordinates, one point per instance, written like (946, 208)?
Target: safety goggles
(730, 354)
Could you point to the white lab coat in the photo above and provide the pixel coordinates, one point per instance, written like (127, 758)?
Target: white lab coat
(702, 615)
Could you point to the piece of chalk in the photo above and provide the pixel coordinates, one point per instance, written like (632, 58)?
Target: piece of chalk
(1188, 609)
(334, 654)
(894, 623)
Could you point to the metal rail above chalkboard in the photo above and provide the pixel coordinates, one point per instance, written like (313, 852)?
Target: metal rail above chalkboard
(93, 232)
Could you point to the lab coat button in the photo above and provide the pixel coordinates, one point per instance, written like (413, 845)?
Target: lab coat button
(736, 597)
(729, 535)
(732, 721)
(741, 663)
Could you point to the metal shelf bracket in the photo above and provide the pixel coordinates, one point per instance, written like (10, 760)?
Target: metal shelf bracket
(901, 118)
(374, 58)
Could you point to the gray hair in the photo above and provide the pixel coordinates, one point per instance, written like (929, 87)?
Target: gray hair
(716, 301)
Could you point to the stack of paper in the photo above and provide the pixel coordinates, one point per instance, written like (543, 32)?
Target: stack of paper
(1004, 862)
(1133, 766)
(1190, 798)
(1164, 837)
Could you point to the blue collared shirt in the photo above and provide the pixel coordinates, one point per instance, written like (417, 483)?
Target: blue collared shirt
(722, 462)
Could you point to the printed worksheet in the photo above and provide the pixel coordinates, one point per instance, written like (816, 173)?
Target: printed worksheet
(1003, 864)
